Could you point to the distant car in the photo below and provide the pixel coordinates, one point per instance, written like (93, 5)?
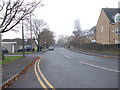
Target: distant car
(50, 48)
(4, 50)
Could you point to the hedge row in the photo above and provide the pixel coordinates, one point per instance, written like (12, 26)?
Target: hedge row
(99, 47)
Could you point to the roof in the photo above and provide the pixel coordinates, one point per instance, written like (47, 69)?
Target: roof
(9, 42)
(19, 41)
(93, 29)
(110, 12)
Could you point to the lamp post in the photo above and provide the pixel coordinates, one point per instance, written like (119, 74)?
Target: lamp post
(23, 41)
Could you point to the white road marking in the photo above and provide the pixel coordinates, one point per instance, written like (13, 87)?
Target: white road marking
(99, 67)
(67, 56)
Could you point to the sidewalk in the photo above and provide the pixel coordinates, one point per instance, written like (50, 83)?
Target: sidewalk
(95, 54)
(11, 69)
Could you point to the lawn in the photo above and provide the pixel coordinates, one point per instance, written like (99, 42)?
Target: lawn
(9, 59)
(19, 53)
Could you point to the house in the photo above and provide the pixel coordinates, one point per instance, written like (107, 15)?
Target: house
(108, 26)
(85, 40)
(17, 44)
(91, 34)
(11, 46)
(82, 39)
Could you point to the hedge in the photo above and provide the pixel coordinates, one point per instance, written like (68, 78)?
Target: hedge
(99, 47)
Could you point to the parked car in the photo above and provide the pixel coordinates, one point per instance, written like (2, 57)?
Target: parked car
(4, 50)
(50, 48)
(27, 49)
(21, 50)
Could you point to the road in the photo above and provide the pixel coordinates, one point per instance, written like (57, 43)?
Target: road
(62, 68)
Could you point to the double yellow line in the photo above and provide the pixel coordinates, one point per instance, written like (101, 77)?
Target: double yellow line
(38, 72)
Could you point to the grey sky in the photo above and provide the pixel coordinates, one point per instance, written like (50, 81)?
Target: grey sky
(60, 14)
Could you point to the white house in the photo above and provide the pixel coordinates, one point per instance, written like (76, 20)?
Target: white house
(11, 46)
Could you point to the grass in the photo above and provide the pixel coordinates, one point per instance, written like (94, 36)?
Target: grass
(19, 53)
(9, 59)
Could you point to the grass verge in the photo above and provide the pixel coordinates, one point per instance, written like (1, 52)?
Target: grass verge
(9, 59)
(19, 53)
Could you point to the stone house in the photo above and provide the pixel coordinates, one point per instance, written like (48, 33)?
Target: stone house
(91, 34)
(108, 26)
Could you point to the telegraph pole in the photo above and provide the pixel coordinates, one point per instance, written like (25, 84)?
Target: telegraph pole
(1, 56)
(23, 41)
(0, 46)
(31, 29)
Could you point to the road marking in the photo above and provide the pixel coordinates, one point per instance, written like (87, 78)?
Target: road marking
(47, 82)
(39, 79)
(67, 56)
(99, 67)
(37, 70)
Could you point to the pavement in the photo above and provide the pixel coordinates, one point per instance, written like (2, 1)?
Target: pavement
(67, 69)
(10, 70)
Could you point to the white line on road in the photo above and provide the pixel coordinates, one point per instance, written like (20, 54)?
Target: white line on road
(67, 56)
(99, 67)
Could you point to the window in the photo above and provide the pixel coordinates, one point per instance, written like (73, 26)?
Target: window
(117, 42)
(117, 17)
(117, 31)
(102, 29)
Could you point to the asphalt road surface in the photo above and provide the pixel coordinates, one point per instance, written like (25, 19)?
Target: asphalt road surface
(62, 68)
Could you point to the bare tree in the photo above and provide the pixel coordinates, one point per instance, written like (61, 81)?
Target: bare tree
(62, 40)
(77, 28)
(37, 27)
(12, 12)
(78, 33)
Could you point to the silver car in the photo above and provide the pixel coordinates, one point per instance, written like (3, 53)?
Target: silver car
(51, 48)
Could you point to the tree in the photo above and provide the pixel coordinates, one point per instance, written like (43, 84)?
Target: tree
(62, 40)
(11, 13)
(78, 33)
(37, 27)
(46, 38)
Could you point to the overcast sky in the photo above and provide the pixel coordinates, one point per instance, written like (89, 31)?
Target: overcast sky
(60, 14)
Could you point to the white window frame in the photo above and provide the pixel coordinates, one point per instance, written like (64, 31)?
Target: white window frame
(117, 17)
(102, 28)
(117, 31)
(117, 42)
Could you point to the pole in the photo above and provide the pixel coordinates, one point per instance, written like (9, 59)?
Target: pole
(23, 41)
(0, 47)
(0, 58)
(31, 29)
(1, 54)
